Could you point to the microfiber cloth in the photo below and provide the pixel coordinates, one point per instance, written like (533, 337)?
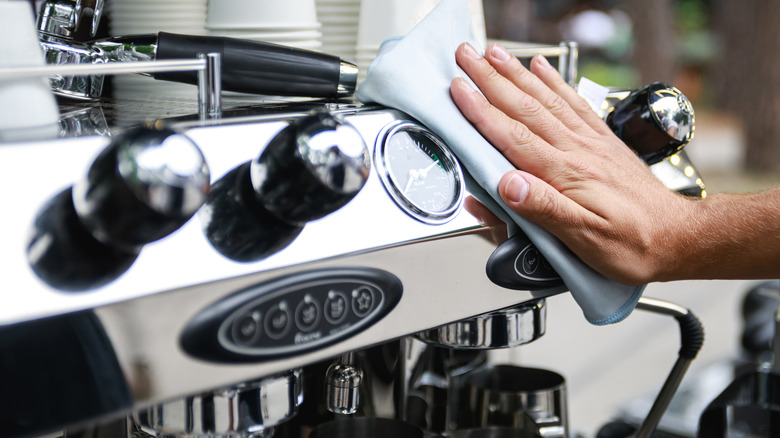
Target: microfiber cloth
(413, 74)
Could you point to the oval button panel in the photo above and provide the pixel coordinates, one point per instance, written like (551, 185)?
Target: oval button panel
(291, 314)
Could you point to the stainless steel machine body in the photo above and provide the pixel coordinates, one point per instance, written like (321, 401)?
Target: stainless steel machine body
(144, 311)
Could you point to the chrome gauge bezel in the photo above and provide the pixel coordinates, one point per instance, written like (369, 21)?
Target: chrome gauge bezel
(450, 164)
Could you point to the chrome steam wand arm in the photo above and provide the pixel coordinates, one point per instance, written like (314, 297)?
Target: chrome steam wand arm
(691, 340)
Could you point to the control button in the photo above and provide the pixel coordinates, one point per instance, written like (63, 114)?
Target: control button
(362, 301)
(246, 329)
(335, 307)
(528, 261)
(307, 314)
(277, 320)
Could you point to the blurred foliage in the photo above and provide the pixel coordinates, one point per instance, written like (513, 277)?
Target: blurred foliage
(691, 15)
(696, 43)
(610, 74)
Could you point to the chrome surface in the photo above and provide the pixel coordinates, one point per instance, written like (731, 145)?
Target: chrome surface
(250, 409)
(348, 74)
(504, 328)
(210, 86)
(59, 52)
(531, 399)
(171, 176)
(77, 19)
(567, 64)
(337, 154)
(343, 380)
(145, 331)
(137, 48)
(673, 112)
(677, 172)
(75, 68)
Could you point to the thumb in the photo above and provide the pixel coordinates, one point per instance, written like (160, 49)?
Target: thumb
(535, 200)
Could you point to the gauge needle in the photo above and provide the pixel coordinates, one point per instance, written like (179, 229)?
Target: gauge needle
(413, 175)
(424, 172)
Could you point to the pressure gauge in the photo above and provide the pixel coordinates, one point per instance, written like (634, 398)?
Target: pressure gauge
(419, 172)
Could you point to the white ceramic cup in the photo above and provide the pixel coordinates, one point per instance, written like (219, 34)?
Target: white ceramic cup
(28, 102)
(266, 14)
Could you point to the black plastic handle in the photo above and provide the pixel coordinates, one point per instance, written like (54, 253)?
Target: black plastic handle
(254, 66)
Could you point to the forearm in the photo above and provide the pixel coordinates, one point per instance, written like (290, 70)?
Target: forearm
(729, 236)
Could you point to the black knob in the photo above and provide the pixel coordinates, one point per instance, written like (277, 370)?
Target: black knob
(66, 256)
(656, 121)
(142, 187)
(311, 168)
(237, 224)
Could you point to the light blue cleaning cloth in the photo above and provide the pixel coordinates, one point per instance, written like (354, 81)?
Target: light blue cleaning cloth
(413, 74)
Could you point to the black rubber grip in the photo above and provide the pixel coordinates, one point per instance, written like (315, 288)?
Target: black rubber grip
(254, 66)
(691, 335)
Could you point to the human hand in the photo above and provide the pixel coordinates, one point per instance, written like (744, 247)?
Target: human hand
(575, 178)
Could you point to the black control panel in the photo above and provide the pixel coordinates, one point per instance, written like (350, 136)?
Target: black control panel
(518, 264)
(292, 314)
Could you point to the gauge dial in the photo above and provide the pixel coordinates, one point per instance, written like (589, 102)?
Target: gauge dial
(420, 173)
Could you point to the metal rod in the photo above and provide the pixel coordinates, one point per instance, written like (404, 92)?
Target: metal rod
(103, 69)
(663, 399)
(210, 86)
(661, 307)
(573, 59)
(531, 51)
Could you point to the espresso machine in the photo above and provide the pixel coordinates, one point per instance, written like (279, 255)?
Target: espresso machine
(273, 267)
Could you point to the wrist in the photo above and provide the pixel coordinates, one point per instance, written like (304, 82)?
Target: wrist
(672, 253)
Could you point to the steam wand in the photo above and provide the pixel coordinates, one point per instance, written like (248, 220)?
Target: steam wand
(691, 339)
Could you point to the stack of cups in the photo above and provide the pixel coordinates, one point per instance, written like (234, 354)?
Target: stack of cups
(339, 20)
(290, 23)
(130, 17)
(383, 19)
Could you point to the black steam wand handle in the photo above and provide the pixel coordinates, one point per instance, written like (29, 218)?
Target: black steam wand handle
(261, 68)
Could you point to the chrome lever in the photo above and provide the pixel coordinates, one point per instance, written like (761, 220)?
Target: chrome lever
(74, 20)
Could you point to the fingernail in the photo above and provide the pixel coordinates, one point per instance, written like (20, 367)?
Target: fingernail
(500, 53)
(543, 62)
(462, 84)
(516, 189)
(469, 51)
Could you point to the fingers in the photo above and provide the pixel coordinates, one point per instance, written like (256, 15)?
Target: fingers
(517, 102)
(542, 69)
(518, 144)
(564, 106)
(540, 203)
